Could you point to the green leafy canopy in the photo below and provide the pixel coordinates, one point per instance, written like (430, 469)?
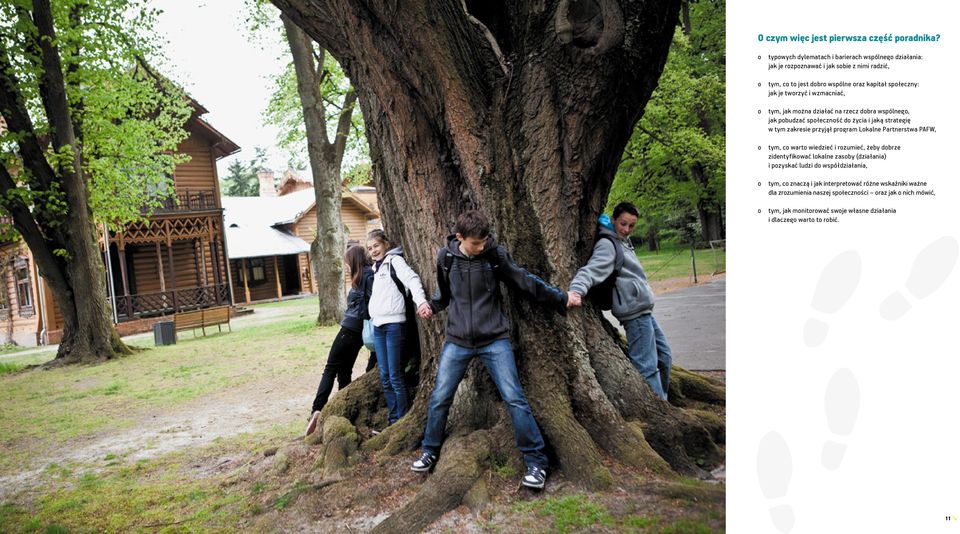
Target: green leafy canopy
(128, 119)
(285, 110)
(673, 166)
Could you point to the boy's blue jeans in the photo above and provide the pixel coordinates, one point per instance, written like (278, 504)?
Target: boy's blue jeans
(388, 340)
(498, 359)
(650, 352)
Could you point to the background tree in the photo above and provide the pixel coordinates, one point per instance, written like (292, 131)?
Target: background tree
(521, 109)
(313, 105)
(91, 133)
(241, 179)
(673, 166)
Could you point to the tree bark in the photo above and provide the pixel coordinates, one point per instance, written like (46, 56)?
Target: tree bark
(522, 110)
(328, 247)
(65, 250)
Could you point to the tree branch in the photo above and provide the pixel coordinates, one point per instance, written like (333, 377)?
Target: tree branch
(323, 26)
(301, 48)
(343, 127)
(504, 64)
(53, 92)
(29, 230)
(19, 123)
(73, 66)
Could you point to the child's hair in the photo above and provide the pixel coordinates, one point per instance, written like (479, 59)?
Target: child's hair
(356, 259)
(472, 224)
(625, 207)
(379, 235)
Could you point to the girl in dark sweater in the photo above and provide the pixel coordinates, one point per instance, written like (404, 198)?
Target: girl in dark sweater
(346, 346)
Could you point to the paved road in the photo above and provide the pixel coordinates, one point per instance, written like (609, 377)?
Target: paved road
(694, 320)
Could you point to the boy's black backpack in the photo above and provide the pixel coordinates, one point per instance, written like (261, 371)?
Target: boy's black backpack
(602, 294)
(411, 344)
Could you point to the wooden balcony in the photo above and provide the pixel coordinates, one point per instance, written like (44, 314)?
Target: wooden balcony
(142, 305)
(189, 200)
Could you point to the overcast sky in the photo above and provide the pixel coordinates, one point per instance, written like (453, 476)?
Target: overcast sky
(215, 61)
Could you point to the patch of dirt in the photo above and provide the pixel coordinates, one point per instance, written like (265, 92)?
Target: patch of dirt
(254, 406)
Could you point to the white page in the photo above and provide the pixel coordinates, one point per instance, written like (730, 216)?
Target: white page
(851, 323)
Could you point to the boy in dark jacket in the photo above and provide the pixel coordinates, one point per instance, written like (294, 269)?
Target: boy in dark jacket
(469, 271)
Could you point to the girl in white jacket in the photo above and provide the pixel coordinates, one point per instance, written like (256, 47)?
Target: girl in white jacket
(388, 315)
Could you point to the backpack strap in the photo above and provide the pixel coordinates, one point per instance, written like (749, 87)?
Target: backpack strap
(396, 280)
(445, 259)
(618, 253)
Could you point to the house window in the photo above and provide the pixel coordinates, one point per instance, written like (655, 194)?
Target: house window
(4, 302)
(257, 272)
(21, 272)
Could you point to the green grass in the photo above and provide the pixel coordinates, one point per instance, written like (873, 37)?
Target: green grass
(568, 512)
(44, 409)
(687, 526)
(34, 358)
(8, 367)
(675, 263)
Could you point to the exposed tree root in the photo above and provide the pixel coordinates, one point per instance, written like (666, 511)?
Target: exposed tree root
(550, 400)
(405, 434)
(686, 385)
(713, 423)
(463, 460)
(339, 446)
(624, 441)
(361, 402)
(678, 437)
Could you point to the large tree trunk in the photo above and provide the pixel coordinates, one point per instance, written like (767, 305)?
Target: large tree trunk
(520, 109)
(66, 249)
(325, 157)
(88, 332)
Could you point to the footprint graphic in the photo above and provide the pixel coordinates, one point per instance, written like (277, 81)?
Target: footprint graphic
(774, 469)
(841, 403)
(837, 283)
(931, 269)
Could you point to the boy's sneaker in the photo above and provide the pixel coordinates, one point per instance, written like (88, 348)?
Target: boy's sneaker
(535, 478)
(312, 424)
(424, 463)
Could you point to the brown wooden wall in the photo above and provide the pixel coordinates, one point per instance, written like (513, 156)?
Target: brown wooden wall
(263, 291)
(52, 311)
(308, 283)
(200, 172)
(186, 257)
(353, 218)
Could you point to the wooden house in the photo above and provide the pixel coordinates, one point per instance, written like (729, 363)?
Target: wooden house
(175, 261)
(269, 236)
(22, 314)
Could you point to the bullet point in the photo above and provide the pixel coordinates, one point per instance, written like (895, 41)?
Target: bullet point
(758, 184)
(758, 211)
(758, 57)
(758, 84)
(758, 112)
(758, 147)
